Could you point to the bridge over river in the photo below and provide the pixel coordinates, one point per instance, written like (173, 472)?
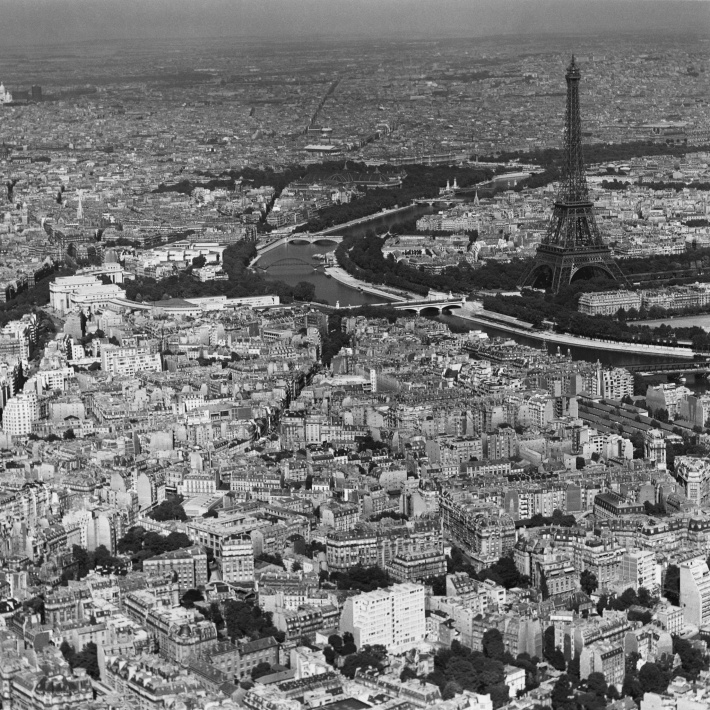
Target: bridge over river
(291, 261)
(439, 305)
(295, 238)
(689, 367)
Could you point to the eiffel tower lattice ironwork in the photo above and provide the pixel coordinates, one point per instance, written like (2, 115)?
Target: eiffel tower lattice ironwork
(573, 241)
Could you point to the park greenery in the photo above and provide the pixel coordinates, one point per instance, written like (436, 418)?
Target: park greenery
(560, 309)
(363, 579)
(85, 562)
(87, 658)
(242, 282)
(170, 509)
(421, 181)
(248, 621)
(141, 544)
(459, 668)
(362, 256)
(538, 520)
(549, 158)
(503, 572)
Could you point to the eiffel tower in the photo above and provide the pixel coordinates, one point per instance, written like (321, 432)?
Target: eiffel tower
(573, 243)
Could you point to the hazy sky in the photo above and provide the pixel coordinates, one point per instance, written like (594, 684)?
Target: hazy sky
(60, 21)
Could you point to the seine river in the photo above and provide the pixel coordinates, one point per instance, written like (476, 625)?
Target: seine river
(332, 291)
(328, 289)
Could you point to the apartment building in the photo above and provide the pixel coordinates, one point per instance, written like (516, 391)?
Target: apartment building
(695, 591)
(339, 517)
(638, 569)
(693, 476)
(418, 566)
(125, 362)
(608, 303)
(603, 657)
(19, 413)
(189, 564)
(237, 561)
(392, 617)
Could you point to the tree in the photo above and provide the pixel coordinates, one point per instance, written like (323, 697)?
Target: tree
(272, 559)
(83, 562)
(198, 261)
(661, 415)
(68, 653)
(504, 572)
(169, 509)
(377, 650)
(500, 694)
(365, 579)
(562, 697)
(244, 620)
(304, 291)
(645, 598)
(451, 689)
(553, 655)
(260, 670)
(596, 683)
(407, 674)
(335, 641)
(214, 614)
(691, 658)
(588, 581)
(652, 679)
(356, 661)
(190, 597)
(88, 660)
(69, 434)
(493, 646)
(631, 687)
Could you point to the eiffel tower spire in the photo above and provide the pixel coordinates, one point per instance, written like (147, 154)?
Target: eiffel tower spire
(575, 181)
(573, 243)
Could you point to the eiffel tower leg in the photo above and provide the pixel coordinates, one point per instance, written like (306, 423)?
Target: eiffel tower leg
(560, 277)
(527, 277)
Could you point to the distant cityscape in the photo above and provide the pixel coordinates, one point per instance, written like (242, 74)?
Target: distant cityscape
(328, 379)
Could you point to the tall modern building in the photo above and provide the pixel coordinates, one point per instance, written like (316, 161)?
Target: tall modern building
(695, 591)
(19, 413)
(573, 246)
(392, 617)
(237, 562)
(638, 569)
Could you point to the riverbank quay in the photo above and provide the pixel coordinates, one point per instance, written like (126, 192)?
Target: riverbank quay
(339, 274)
(489, 318)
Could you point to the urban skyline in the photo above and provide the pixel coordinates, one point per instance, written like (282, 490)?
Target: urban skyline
(289, 416)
